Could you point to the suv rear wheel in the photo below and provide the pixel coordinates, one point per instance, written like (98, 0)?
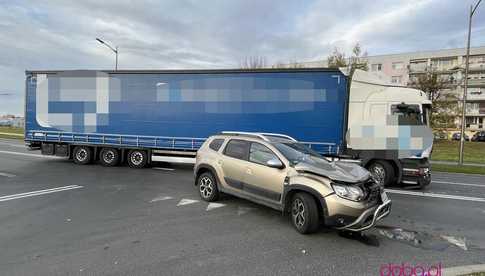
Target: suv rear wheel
(208, 187)
(304, 213)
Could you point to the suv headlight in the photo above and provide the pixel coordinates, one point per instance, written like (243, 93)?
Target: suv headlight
(349, 192)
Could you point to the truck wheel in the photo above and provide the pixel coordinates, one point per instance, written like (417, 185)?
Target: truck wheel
(383, 172)
(304, 213)
(82, 155)
(109, 157)
(137, 159)
(207, 187)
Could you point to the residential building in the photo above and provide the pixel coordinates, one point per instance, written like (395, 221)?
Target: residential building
(403, 69)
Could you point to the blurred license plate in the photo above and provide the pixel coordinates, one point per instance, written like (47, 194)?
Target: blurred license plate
(384, 197)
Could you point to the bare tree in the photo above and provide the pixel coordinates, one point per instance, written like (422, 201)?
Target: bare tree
(291, 64)
(253, 62)
(357, 60)
(444, 105)
(431, 83)
(337, 59)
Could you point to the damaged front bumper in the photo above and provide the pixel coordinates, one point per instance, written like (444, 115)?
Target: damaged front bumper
(369, 217)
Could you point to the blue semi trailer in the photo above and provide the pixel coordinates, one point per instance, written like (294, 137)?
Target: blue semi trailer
(132, 116)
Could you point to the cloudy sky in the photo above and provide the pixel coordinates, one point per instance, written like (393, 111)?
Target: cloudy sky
(214, 33)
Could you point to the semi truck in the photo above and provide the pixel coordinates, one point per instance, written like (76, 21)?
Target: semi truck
(134, 117)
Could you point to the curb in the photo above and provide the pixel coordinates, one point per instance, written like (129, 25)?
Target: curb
(463, 270)
(456, 163)
(11, 134)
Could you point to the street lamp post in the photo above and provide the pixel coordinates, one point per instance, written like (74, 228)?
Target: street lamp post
(462, 135)
(115, 50)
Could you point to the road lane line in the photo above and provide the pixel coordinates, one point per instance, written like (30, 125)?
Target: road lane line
(163, 169)
(7, 174)
(40, 192)
(13, 145)
(459, 184)
(467, 198)
(30, 154)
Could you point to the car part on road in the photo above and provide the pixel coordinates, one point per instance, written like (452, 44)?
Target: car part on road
(82, 155)
(109, 157)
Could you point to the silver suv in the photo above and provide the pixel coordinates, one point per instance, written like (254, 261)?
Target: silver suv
(277, 171)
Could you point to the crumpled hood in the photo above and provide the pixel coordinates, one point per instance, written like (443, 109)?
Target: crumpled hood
(338, 171)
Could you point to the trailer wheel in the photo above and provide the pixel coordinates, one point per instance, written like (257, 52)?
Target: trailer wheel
(109, 157)
(137, 159)
(382, 172)
(82, 155)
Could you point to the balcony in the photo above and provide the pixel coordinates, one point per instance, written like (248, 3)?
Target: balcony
(475, 96)
(476, 82)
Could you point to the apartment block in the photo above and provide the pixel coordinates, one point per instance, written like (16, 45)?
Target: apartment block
(403, 69)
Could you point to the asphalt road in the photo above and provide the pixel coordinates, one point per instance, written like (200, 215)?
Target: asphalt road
(122, 221)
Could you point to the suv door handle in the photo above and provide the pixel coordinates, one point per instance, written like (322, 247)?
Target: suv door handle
(249, 171)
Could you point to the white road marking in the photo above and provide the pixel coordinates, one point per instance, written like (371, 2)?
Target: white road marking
(244, 210)
(7, 174)
(467, 198)
(14, 145)
(30, 154)
(163, 169)
(40, 192)
(161, 198)
(459, 183)
(460, 242)
(214, 205)
(186, 201)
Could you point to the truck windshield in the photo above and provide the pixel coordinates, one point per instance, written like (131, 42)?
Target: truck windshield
(296, 152)
(409, 114)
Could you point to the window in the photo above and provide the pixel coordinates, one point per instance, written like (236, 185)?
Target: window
(397, 65)
(396, 79)
(216, 144)
(260, 154)
(408, 114)
(237, 149)
(376, 67)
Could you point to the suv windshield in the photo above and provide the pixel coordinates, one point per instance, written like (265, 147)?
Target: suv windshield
(296, 152)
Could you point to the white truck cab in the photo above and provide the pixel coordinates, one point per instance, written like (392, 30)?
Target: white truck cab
(388, 129)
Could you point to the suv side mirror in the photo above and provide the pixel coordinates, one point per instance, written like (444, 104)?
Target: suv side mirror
(275, 163)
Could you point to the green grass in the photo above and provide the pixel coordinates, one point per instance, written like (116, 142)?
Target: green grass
(457, 169)
(449, 150)
(5, 131)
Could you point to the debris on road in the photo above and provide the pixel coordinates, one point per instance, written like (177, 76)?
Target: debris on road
(460, 242)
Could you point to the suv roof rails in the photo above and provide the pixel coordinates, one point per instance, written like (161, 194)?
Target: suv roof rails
(261, 135)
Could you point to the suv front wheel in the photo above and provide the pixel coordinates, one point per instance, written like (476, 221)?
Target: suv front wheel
(304, 213)
(207, 187)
